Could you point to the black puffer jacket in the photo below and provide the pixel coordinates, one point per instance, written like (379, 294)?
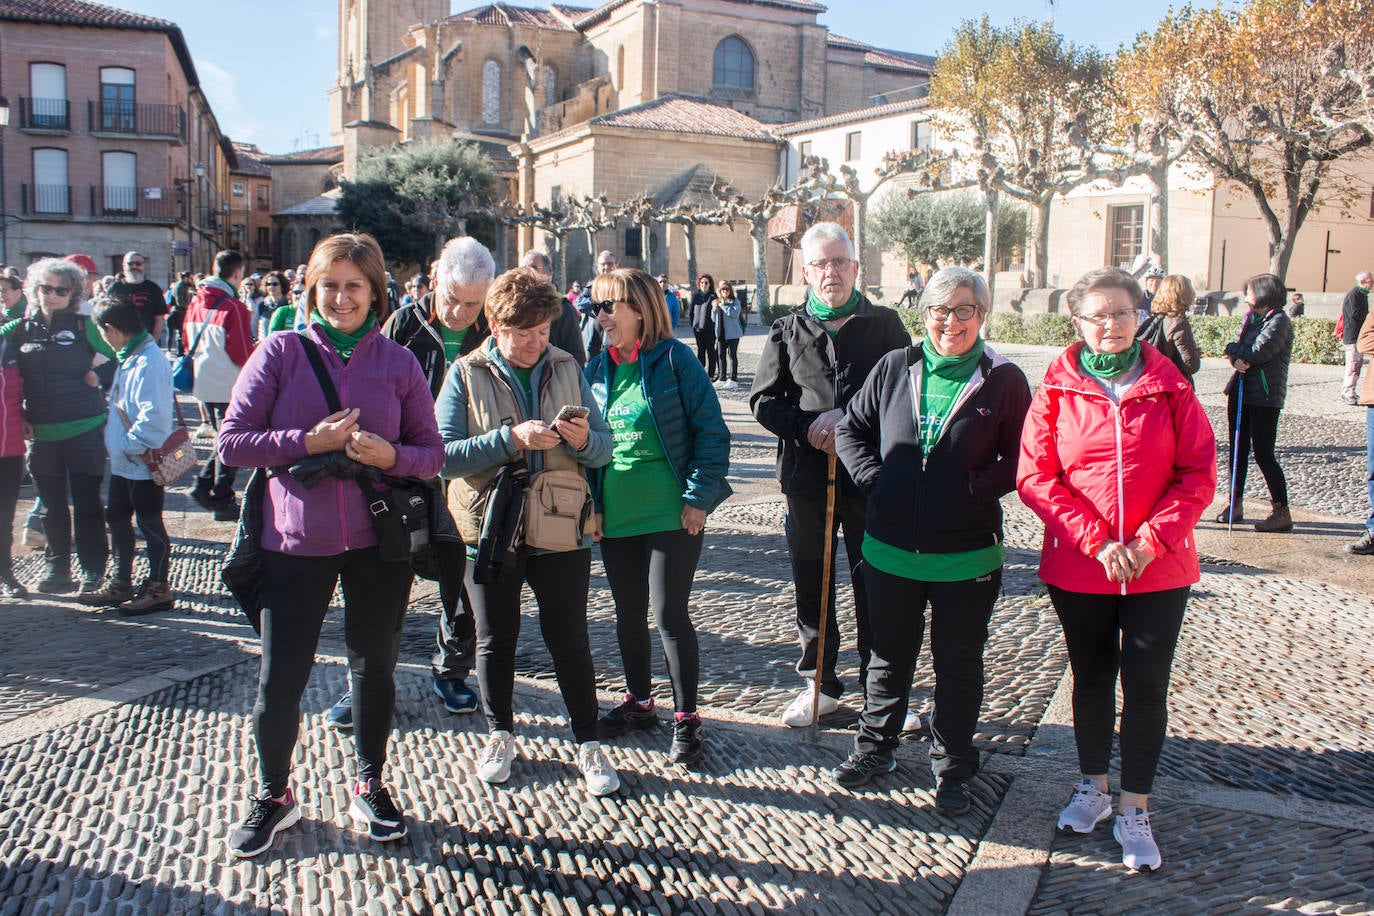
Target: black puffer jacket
(947, 501)
(1266, 343)
(798, 380)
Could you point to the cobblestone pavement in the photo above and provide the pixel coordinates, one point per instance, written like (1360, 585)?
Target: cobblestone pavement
(126, 750)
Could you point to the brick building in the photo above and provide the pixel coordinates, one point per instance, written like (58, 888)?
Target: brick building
(250, 208)
(112, 145)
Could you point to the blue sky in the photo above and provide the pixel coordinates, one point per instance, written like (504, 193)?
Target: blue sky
(266, 65)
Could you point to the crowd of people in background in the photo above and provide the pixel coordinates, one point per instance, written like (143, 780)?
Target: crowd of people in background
(464, 378)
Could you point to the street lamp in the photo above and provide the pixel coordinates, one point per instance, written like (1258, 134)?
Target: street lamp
(4, 212)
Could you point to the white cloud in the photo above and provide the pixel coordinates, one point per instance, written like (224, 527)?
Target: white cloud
(221, 88)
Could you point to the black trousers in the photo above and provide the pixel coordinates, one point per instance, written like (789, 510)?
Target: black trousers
(706, 350)
(142, 499)
(959, 614)
(455, 642)
(1259, 429)
(1133, 636)
(655, 571)
(73, 469)
(559, 582)
(216, 478)
(729, 359)
(805, 526)
(296, 592)
(11, 471)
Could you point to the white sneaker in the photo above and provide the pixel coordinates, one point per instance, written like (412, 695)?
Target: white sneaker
(204, 431)
(601, 777)
(1138, 849)
(798, 713)
(913, 724)
(494, 764)
(731, 385)
(1088, 808)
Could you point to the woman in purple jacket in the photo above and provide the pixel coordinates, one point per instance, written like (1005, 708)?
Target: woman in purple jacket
(314, 538)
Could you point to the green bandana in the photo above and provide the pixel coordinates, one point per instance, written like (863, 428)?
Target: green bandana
(128, 349)
(824, 312)
(344, 344)
(1108, 365)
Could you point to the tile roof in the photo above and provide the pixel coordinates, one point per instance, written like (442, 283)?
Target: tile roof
(602, 12)
(251, 161)
(685, 114)
(692, 189)
(848, 117)
(325, 154)
(885, 58)
(78, 12)
(504, 14)
(327, 204)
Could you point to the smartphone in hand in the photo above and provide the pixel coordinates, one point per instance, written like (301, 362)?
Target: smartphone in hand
(573, 412)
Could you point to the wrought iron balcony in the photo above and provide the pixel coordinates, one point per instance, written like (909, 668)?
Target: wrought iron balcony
(129, 203)
(45, 114)
(136, 118)
(46, 199)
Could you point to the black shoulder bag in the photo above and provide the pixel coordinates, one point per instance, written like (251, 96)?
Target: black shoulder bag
(400, 515)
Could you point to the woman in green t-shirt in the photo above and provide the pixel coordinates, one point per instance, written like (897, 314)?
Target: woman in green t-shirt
(667, 473)
(933, 439)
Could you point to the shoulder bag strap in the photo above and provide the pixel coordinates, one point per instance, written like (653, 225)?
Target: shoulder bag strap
(205, 325)
(312, 353)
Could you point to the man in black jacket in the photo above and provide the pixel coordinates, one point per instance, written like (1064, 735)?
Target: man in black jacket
(566, 331)
(816, 358)
(1354, 310)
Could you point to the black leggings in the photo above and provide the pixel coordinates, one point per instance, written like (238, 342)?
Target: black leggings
(559, 582)
(706, 350)
(655, 570)
(729, 356)
(296, 592)
(73, 468)
(1135, 636)
(144, 499)
(1259, 427)
(959, 614)
(11, 471)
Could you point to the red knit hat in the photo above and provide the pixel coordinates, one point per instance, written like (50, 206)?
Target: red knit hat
(84, 262)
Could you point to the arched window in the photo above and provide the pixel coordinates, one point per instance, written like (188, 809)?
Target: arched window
(733, 65)
(491, 92)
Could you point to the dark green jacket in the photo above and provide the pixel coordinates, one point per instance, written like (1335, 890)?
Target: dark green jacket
(687, 416)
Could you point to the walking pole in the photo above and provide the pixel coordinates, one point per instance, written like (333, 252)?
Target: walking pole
(826, 567)
(1235, 454)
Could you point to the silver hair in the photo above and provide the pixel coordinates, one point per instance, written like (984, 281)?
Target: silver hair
(463, 261)
(135, 254)
(1363, 274)
(74, 278)
(946, 281)
(537, 260)
(821, 233)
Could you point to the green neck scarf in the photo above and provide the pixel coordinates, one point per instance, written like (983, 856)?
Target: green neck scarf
(1108, 365)
(824, 312)
(344, 344)
(954, 368)
(128, 349)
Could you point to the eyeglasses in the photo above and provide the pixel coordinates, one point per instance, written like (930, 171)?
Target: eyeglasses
(1102, 318)
(962, 312)
(135, 264)
(824, 264)
(47, 290)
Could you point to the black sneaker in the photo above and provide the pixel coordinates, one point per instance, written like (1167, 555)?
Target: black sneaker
(1364, 547)
(952, 796)
(226, 510)
(266, 817)
(202, 498)
(340, 715)
(862, 766)
(56, 582)
(687, 741)
(628, 716)
(458, 697)
(372, 805)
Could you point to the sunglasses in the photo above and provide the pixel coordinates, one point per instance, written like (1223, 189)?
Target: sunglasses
(607, 306)
(271, 283)
(47, 290)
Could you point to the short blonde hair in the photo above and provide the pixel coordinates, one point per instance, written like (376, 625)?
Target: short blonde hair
(358, 248)
(1174, 296)
(642, 293)
(521, 299)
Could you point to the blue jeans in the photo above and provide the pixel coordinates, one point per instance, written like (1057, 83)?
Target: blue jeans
(1369, 463)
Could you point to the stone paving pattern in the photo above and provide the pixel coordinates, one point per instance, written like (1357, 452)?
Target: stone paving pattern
(125, 810)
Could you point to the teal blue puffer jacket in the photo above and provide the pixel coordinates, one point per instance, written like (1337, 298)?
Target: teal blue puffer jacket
(687, 415)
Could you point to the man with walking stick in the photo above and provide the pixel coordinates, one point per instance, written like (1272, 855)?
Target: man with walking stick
(816, 358)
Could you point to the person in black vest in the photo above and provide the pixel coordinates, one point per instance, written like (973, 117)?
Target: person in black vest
(64, 412)
(816, 358)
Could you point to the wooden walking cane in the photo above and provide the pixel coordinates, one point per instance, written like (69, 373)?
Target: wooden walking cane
(827, 565)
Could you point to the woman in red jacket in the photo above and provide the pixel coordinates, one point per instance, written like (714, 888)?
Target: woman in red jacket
(1119, 460)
